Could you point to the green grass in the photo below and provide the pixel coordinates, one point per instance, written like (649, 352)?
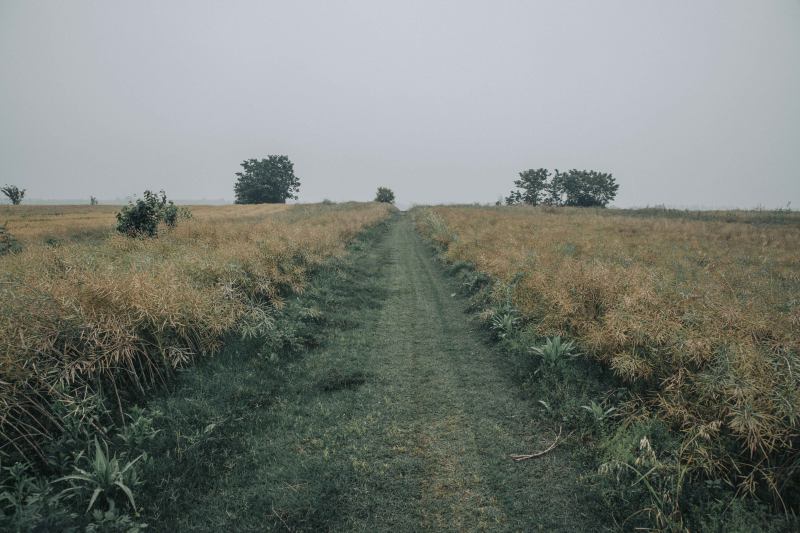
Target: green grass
(399, 417)
(376, 402)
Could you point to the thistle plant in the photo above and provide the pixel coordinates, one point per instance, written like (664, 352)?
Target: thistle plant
(554, 352)
(504, 324)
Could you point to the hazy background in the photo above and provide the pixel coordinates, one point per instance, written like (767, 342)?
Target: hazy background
(693, 103)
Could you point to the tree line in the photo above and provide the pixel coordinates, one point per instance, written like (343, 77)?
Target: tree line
(272, 180)
(574, 188)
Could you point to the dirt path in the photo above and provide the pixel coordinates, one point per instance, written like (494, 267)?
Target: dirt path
(403, 421)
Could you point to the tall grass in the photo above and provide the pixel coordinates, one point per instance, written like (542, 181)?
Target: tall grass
(119, 314)
(700, 317)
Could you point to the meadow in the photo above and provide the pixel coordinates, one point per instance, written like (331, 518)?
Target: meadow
(696, 315)
(88, 311)
(312, 364)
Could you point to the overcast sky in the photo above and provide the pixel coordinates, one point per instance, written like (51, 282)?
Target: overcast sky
(691, 103)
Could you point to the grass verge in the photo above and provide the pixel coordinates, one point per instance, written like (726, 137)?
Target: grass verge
(97, 462)
(638, 455)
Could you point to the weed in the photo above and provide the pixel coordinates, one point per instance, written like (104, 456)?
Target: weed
(8, 244)
(28, 503)
(139, 431)
(504, 323)
(599, 412)
(104, 476)
(113, 520)
(554, 352)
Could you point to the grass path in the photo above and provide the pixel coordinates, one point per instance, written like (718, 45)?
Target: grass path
(402, 420)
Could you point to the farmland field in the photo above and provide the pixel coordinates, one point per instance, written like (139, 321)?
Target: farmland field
(123, 312)
(698, 317)
(348, 367)
(37, 223)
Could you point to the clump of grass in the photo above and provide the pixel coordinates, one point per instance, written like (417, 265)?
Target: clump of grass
(699, 315)
(8, 243)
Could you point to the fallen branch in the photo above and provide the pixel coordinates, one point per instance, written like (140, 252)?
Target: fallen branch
(550, 448)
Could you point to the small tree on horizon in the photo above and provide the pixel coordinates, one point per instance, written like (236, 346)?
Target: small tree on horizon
(14, 193)
(533, 184)
(266, 181)
(384, 195)
(584, 188)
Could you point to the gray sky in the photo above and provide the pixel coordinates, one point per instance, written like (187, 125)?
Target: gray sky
(691, 103)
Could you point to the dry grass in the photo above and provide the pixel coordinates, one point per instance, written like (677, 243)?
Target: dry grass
(121, 312)
(702, 317)
(35, 223)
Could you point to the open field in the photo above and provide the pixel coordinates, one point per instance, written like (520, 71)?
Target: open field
(349, 389)
(32, 224)
(121, 314)
(401, 419)
(700, 319)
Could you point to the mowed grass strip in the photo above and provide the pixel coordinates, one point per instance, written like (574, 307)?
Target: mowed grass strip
(700, 317)
(402, 419)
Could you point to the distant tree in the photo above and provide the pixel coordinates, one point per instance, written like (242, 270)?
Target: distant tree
(93, 200)
(586, 188)
(385, 195)
(14, 193)
(533, 184)
(578, 188)
(268, 181)
(514, 197)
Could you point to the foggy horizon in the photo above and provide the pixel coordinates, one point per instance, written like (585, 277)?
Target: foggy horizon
(693, 105)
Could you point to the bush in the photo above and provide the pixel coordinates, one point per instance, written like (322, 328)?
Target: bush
(8, 244)
(14, 193)
(141, 218)
(385, 195)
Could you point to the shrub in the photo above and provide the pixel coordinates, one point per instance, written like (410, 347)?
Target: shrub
(385, 195)
(8, 244)
(14, 193)
(142, 218)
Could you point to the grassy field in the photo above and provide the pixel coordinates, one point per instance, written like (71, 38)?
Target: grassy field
(31, 224)
(400, 419)
(350, 390)
(699, 319)
(120, 314)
